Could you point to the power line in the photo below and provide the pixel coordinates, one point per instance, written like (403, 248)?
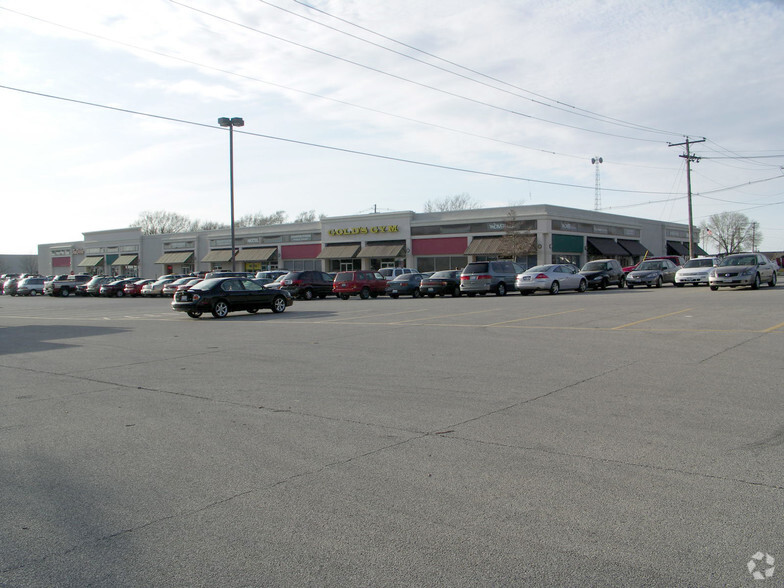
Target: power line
(407, 80)
(321, 146)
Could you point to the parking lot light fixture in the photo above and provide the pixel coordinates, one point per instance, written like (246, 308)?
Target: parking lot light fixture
(231, 123)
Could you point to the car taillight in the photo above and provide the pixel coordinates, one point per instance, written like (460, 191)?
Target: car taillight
(540, 277)
(465, 277)
(444, 283)
(484, 277)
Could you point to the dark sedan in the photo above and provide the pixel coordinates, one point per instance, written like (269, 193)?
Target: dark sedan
(405, 285)
(308, 284)
(115, 288)
(441, 284)
(220, 296)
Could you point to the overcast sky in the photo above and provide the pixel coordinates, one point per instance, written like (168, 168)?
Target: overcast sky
(504, 100)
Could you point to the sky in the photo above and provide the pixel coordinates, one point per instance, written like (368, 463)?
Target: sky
(352, 106)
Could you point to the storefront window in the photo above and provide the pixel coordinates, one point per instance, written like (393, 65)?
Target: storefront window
(440, 263)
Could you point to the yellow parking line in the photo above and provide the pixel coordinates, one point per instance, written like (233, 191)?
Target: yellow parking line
(528, 318)
(771, 329)
(455, 314)
(653, 318)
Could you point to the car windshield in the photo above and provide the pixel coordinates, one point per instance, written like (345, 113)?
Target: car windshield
(699, 263)
(441, 275)
(344, 277)
(207, 284)
(649, 265)
(739, 260)
(540, 268)
(594, 266)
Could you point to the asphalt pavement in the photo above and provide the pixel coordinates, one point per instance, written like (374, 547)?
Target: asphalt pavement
(615, 438)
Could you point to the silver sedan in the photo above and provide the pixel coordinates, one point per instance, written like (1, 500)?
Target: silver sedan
(553, 278)
(743, 269)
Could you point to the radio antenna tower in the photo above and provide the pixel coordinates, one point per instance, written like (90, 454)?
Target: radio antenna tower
(597, 199)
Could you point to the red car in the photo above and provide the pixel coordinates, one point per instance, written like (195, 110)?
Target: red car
(135, 288)
(362, 283)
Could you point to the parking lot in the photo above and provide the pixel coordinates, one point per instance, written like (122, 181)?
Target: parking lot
(613, 438)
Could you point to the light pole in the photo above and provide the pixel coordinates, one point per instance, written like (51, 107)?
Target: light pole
(231, 123)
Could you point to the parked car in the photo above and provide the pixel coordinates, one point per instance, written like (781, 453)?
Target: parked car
(404, 285)
(743, 269)
(156, 288)
(10, 285)
(307, 284)
(481, 277)
(601, 273)
(220, 296)
(678, 260)
(652, 272)
(363, 283)
(134, 288)
(441, 284)
(272, 274)
(390, 273)
(192, 282)
(695, 271)
(552, 278)
(30, 286)
(65, 284)
(170, 288)
(115, 287)
(93, 287)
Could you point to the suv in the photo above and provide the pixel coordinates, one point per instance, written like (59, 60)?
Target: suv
(365, 283)
(307, 284)
(65, 285)
(390, 273)
(481, 277)
(601, 273)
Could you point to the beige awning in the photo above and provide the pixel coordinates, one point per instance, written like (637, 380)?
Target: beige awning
(181, 257)
(90, 262)
(218, 255)
(257, 254)
(338, 252)
(126, 260)
(396, 250)
(498, 246)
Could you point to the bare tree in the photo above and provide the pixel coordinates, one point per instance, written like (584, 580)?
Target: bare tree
(515, 243)
(161, 222)
(457, 202)
(731, 232)
(210, 225)
(260, 219)
(29, 264)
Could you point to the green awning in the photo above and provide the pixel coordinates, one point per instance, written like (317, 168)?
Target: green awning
(126, 260)
(90, 262)
(180, 257)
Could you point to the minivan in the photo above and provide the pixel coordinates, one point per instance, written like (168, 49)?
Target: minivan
(481, 277)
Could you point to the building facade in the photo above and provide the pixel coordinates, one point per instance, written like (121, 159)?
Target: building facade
(425, 241)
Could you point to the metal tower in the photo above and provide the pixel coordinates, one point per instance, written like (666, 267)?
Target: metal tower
(597, 200)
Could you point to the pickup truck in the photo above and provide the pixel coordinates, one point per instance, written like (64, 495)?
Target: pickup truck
(65, 284)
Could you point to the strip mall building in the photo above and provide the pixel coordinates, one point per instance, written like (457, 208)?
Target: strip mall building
(425, 241)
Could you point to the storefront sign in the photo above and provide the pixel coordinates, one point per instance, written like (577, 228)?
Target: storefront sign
(364, 230)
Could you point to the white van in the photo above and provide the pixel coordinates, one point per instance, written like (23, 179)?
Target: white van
(390, 273)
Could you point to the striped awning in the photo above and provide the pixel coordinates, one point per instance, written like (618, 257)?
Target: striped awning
(90, 262)
(338, 252)
(126, 260)
(218, 255)
(256, 254)
(179, 257)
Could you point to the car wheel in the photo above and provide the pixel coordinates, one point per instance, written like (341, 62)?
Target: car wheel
(714, 288)
(622, 282)
(772, 282)
(220, 309)
(582, 287)
(659, 282)
(344, 296)
(120, 293)
(500, 289)
(194, 313)
(432, 295)
(554, 287)
(416, 293)
(604, 284)
(364, 294)
(253, 310)
(756, 284)
(308, 294)
(456, 293)
(394, 296)
(278, 304)
(65, 292)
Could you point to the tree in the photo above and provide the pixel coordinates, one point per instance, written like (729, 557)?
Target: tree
(161, 222)
(308, 216)
(260, 219)
(29, 264)
(515, 243)
(457, 202)
(210, 225)
(731, 232)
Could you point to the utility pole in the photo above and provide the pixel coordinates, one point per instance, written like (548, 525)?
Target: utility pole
(689, 158)
(597, 199)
